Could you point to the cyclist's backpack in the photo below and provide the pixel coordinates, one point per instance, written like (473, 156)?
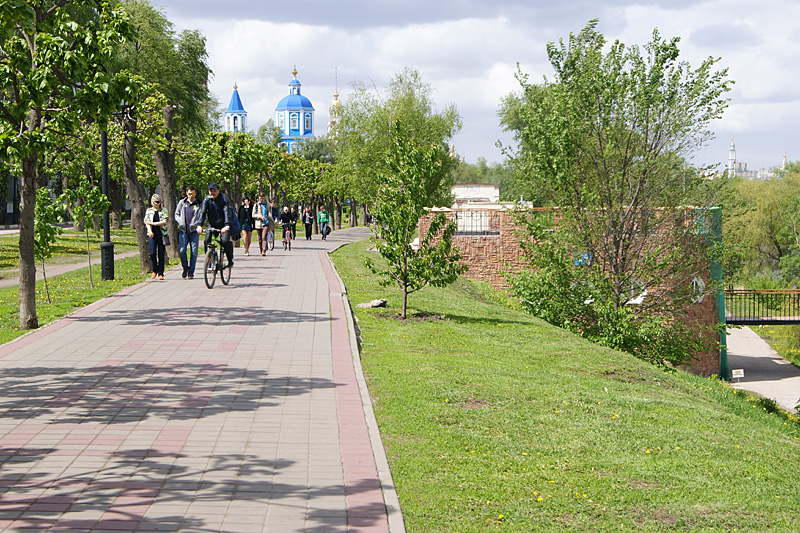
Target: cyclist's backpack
(236, 226)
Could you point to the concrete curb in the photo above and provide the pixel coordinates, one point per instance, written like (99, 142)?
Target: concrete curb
(390, 498)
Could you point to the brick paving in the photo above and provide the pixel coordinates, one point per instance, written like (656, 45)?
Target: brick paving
(171, 407)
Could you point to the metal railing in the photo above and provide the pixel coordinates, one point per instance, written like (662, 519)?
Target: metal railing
(763, 306)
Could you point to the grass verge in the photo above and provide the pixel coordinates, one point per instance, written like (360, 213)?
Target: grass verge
(784, 339)
(493, 419)
(68, 292)
(70, 247)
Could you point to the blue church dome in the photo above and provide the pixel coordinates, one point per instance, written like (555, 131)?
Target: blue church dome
(294, 101)
(294, 115)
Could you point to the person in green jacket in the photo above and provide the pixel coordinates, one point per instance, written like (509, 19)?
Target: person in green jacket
(322, 220)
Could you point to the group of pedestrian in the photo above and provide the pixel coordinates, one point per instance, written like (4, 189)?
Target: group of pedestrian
(215, 209)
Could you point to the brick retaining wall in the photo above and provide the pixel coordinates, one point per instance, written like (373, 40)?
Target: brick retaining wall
(489, 246)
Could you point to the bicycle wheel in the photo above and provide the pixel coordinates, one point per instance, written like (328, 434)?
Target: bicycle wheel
(211, 268)
(289, 240)
(271, 239)
(224, 269)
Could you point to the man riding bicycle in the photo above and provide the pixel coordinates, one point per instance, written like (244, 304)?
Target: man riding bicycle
(285, 220)
(215, 209)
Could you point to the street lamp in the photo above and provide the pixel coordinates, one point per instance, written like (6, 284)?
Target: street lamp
(107, 247)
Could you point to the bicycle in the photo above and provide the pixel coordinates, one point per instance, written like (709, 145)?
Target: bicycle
(216, 262)
(271, 238)
(287, 237)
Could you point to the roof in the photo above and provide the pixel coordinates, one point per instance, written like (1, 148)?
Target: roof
(236, 103)
(294, 101)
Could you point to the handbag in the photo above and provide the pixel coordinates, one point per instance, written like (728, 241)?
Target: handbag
(165, 239)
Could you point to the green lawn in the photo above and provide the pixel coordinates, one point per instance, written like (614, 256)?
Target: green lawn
(493, 419)
(70, 248)
(68, 292)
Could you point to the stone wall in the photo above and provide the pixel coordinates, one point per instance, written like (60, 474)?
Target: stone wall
(488, 242)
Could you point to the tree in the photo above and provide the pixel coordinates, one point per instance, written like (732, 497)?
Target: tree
(46, 230)
(400, 203)
(176, 67)
(53, 73)
(87, 201)
(363, 137)
(607, 142)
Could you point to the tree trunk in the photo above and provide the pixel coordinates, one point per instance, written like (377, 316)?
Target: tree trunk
(117, 204)
(339, 203)
(353, 213)
(165, 168)
(27, 260)
(136, 193)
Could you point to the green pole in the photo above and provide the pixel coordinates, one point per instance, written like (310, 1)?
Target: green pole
(715, 238)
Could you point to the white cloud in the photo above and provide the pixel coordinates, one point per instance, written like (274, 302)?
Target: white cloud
(467, 51)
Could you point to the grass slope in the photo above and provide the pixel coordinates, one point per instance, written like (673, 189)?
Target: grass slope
(493, 419)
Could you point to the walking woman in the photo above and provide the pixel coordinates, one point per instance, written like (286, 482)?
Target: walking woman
(308, 221)
(246, 220)
(261, 221)
(155, 218)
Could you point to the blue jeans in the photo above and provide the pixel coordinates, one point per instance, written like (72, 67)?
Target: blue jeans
(323, 228)
(191, 241)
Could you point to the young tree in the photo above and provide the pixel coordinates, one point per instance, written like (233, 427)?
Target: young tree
(46, 230)
(53, 73)
(400, 203)
(87, 202)
(607, 141)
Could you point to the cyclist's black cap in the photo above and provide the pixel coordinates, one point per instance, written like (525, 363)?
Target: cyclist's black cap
(213, 186)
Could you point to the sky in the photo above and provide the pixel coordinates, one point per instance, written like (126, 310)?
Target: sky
(468, 51)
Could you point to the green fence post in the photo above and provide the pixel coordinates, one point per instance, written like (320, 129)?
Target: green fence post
(715, 237)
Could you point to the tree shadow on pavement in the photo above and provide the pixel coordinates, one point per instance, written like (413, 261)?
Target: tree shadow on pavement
(223, 316)
(133, 392)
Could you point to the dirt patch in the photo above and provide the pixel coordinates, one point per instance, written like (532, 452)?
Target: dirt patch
(473, 404)
(411, 317)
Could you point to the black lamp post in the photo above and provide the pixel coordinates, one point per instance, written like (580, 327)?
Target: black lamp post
(106, 247)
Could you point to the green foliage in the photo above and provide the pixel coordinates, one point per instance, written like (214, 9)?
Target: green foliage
(766, 229)
(562, 287)
(397, 210)
(46, 230)
(607, 143)
(54, 77)
(175, 65)
(87, 202)
(363, 137)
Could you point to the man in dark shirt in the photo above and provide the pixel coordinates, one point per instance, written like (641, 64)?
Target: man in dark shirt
(188, 240)
(215, 209)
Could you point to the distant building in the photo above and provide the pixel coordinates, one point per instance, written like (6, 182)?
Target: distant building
(294, 115)
(474, 193)
(235, 116)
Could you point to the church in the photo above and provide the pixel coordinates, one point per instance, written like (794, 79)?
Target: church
(294, 114)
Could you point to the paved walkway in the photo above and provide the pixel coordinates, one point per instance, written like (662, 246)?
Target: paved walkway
(765, 372)
(169, 407)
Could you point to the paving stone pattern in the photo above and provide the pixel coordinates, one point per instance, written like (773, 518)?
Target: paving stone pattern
(171, 407)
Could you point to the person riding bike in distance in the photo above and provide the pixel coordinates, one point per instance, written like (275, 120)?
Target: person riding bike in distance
(215, 209)
(285, 220)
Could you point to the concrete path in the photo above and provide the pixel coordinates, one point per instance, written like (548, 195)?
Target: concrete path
(171, 407)
(765, 372)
